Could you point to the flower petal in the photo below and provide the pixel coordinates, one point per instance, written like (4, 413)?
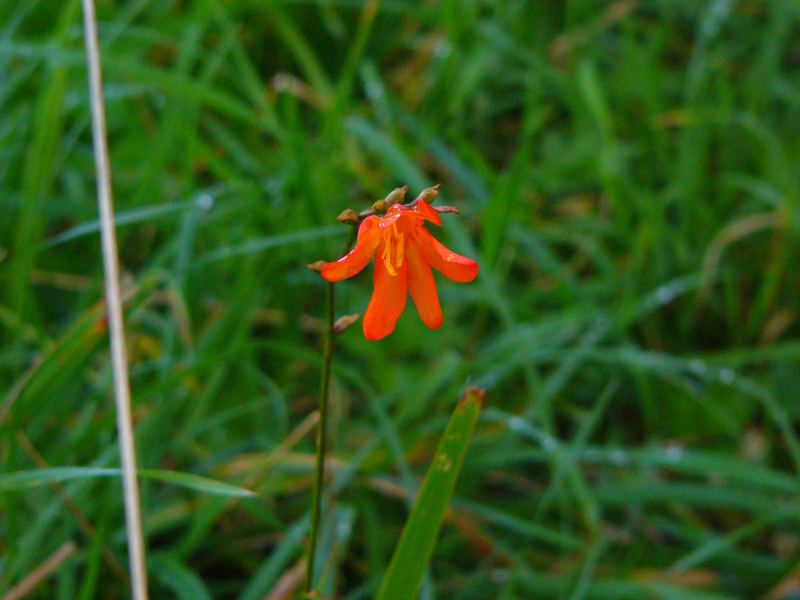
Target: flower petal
(367, 225)
(388, 301)
(354, 261)
(448, 263)
(422, 287)
(427, 212)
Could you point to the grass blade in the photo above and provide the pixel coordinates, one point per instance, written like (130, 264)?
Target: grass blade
(37, 477)
(122, 388)
(415, 548)
(196, 482)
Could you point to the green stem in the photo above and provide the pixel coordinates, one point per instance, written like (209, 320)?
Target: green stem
(322, 426)
(322, 442)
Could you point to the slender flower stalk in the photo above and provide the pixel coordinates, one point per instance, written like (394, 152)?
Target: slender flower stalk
(322, 425)
(122, 393)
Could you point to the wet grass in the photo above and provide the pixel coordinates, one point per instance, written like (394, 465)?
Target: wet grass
(627, 178)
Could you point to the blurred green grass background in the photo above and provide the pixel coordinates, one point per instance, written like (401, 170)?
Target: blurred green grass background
(627, 175)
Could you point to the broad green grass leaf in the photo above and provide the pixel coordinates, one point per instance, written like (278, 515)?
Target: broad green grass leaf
(413, 552)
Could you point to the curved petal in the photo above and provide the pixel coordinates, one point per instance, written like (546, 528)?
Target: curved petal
(428, 212)
(388, 301)
(354, 261)
(367, 225)
(448, 263)
(422, 287)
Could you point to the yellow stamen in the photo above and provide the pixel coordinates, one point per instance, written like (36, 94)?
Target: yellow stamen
(401, 249)
(389, 236)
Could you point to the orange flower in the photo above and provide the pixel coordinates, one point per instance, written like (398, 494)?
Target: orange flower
(405, 253)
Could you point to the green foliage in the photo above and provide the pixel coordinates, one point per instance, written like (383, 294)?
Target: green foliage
(413, 552)
(627, 178)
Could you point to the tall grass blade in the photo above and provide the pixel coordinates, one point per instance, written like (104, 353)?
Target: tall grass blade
(413, 552)
(122, 392)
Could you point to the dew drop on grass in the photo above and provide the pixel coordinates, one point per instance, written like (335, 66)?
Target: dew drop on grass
(674, 453)
(668, 292)
(516, 424)
(549, 443)
(727, 376)
(374, 90)
(343, 529)
(618, 458)
(697, 366)
(205, 202)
